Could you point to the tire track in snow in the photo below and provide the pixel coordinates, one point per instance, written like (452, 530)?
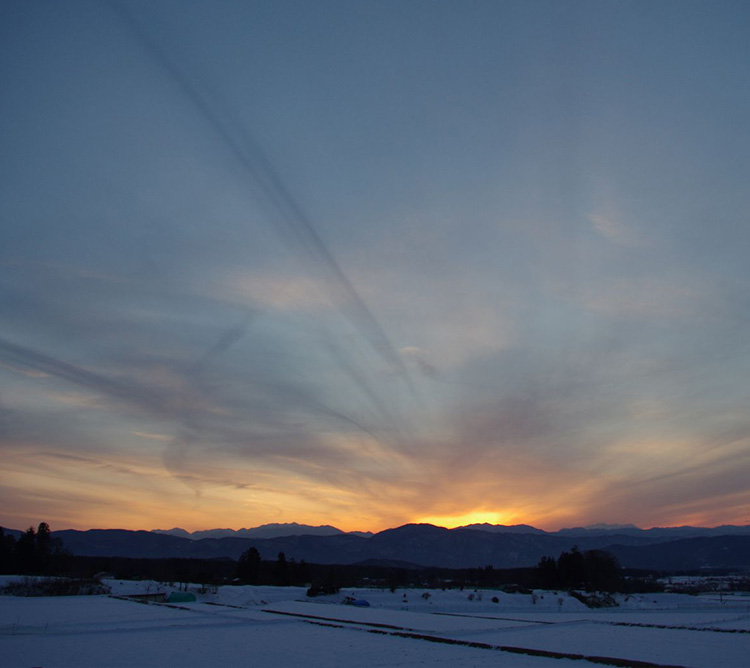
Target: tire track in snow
(403, 632)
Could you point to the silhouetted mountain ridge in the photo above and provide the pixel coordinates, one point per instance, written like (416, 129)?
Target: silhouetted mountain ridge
(429, 545)
(263, 531)
(503, 528)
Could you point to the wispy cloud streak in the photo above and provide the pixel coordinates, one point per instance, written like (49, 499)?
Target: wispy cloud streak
(265, 179)
(294, 223)
(122, 389)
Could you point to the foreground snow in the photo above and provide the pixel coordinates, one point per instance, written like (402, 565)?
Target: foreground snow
(270, 626)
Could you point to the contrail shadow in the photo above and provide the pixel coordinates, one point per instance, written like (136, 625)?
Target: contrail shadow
(295, 224)
(267, 182)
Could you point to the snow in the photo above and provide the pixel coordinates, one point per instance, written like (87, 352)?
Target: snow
(280, 626)
(672, 647)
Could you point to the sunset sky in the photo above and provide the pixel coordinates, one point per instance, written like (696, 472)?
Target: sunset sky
(369, 263)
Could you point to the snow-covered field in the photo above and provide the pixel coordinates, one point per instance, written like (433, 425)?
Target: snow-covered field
(270, 627)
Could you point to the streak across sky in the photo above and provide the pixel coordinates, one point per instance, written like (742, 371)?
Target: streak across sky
(369, 263)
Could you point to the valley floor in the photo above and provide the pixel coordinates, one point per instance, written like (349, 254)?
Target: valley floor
(273, 627)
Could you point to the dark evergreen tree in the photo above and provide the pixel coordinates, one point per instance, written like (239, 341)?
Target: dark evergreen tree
(248, 567)
(26, 554)
(7, 553)
(43, 548)
(303, 573)
(547, 573)
(281, 571)
(602, 570)
(571, 569)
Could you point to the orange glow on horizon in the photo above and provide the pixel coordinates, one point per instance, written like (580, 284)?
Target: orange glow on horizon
(475, 517)
(80, 489)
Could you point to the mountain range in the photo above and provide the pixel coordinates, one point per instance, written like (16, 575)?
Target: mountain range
(263, 531)
(671, 548)
(294, 529)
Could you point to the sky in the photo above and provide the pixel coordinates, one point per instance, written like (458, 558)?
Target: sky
(370, 263)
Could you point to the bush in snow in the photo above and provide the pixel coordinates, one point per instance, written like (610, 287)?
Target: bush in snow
(55, 587)
(595, 599)
(322, 590)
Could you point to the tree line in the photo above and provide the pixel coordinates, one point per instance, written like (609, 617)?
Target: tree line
(593, 570)
(251, 569)
(35, 552)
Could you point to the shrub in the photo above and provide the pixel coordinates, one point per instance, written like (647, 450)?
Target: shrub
(595, 600)
(56, 587)
(322, 590)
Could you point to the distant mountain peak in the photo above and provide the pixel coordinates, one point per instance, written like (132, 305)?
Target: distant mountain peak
(272, 530)
(503, 528)
(600, 528)
(176, 531)
(293, 525)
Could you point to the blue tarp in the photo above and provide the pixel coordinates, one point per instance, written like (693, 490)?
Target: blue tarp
(181, 597)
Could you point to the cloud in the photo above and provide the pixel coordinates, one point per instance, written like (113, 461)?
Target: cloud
(614, 230)
(449, 317)
(283, 293)
(638, 297)
(120, 388)
(286, 213)
(77, 399)
(31, 373)
(153, 437)
(709, 493)
(402, 325)
(421, 358)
